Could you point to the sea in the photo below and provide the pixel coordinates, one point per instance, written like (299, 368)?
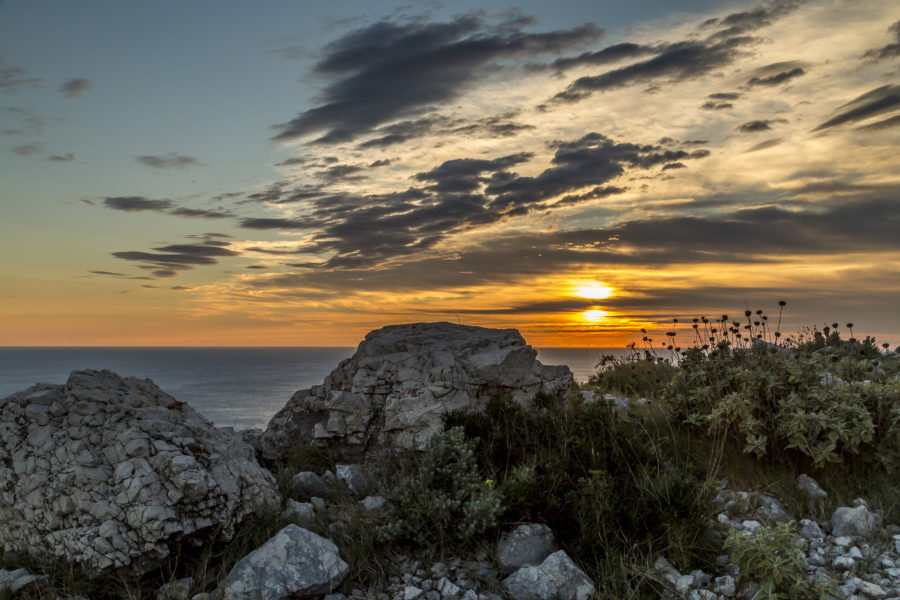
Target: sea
(232, 387)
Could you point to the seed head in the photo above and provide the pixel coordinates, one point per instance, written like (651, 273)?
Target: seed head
(781, 303)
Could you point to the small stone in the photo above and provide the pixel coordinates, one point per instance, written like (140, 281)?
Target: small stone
(871, 590)
(811, 488)
(411, 592)
(307, 484)
(525, 546)
(855, 553)
(557, 578)
(373, 502)
(356, 478)
(176, 590)
(810, 530)
(447, 588)
(725, 585)
(302, 513)
(843, 563)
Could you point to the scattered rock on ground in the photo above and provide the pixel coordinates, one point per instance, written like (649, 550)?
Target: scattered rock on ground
(854, 521)
(811, 488)
(557, 578)
(402, 379)
(105, 471)
(294, 563)
(17, 580)
(176, 590)
(525, 546)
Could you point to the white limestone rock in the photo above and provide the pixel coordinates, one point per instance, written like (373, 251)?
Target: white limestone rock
(525, 546)
(114, 470)
(295, 563)
(16, 581)
(557, 578)
(846, 521)
(811, 488)
(394, 390)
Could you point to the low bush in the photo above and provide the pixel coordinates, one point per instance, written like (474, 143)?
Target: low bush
(611, 492)
(804, 401)
(772, 557)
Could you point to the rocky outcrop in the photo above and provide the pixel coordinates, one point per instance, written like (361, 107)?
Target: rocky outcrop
(402, 379)
(295, 563)
(106, 472)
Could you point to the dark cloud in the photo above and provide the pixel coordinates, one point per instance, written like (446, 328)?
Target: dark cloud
(714, 105)
(466, 174)
(879, 125)
(675, 165)
(61, 157)
(291, 162)
(720, 101)
(890, 50)
(833, 186)
(109, 273)
(610, 54)
(169, 161)
(764, 145)
(866, 223)
(73, 88)
(388, 71)
(874, 102)
(180, 288)
(751, 20)
(136, 203)
(776, 74)
(168, 261)
(340, 172)
(494, 127)
(757, 126)
(200, 213)
(12, 79)
(675, 62)
(380, 163)
(686, 59)
(361, 231)
(27, 149)
(263, 223)
(257, 267)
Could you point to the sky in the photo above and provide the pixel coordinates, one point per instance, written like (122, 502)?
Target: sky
(298, 173)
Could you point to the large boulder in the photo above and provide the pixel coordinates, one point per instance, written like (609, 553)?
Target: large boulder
(402, 379)
(106, 472)
(295, 563)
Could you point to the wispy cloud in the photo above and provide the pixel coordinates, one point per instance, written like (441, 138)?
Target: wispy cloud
(168, 161)
(13, 79)
(74, 88)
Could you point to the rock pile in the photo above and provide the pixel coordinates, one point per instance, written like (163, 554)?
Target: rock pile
(400, 381)
(851, 554)
(106, 471)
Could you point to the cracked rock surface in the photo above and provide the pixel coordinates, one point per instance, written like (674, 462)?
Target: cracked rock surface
(106, 471)
(402, 379)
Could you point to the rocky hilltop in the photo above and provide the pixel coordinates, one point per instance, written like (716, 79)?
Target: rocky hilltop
(402, 379)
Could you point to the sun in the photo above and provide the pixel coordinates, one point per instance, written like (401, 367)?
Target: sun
(594, 291)
(594, 315)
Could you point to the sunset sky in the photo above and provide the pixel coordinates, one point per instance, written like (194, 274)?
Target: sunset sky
(290, 172)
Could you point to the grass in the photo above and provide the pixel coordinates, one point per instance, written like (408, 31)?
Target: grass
(737, 401)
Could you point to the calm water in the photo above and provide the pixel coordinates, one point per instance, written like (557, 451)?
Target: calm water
(238, 387)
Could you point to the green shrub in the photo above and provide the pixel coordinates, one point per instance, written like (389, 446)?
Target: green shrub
(606, 487)
(783, 403)
(447, 500)
(772, 557)
(638, 375)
